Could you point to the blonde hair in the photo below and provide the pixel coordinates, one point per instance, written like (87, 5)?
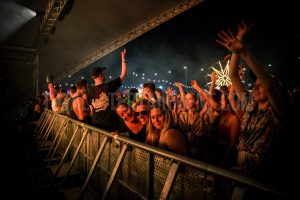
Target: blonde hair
(153, 135)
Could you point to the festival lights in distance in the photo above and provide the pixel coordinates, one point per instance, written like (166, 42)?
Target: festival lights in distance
(222, 74)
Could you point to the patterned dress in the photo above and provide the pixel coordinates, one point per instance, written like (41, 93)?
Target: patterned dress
(259, 130)
(196, 130)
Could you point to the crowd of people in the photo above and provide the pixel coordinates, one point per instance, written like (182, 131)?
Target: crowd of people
(248, 132)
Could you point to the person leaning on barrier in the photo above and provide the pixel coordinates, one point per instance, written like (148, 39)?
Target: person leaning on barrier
(130, 123)
(161, 132)
(142, 110)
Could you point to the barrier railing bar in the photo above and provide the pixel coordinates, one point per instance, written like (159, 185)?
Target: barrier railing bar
(201, 165)
(114, 172)
(56, 136)
(44, 125)
(169, 182)
(205, 186)
(74, 157)
(93, 167)
(46, 135)
(191, 162)
(39, 123)
(150, 177)
(57, 145)
(66, 152)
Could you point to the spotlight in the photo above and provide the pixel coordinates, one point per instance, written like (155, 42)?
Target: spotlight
(14, 17)
(33, 13)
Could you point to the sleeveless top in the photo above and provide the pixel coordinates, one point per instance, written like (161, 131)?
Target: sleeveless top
(72, 114)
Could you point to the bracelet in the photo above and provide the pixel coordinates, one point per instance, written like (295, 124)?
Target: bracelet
(124, 62)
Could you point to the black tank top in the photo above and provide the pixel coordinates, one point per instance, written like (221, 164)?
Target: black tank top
(72, 114)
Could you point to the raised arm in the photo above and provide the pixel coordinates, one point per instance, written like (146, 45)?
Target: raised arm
(215, 105)
(213, 79)
(168, 97)
(273, 91)
(239, 49)
(181, 91)
(124, 67)
(227, 39)
(243, 29)
(51, 91)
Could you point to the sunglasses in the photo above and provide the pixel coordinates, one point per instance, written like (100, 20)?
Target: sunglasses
(144, 113)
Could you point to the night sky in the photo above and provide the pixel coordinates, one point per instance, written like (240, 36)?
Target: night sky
(189, 40)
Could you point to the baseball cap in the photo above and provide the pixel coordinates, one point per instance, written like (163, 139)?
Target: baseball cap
(97, 70)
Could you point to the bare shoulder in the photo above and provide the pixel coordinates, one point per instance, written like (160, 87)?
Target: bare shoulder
(172, 133)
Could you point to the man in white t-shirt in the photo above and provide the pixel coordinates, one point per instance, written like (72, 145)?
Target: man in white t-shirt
(58, 100)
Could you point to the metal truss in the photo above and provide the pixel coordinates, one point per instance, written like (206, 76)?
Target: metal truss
(124, 39)
(53, 10)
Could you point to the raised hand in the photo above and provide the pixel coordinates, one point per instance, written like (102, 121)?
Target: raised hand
(177, 84)
(194, 83)
(213, 76)
(230, 41)
(243, 29)
(124, 67)
(123, 55)
(169, 91)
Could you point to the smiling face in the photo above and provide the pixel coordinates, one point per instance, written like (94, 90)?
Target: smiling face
(259, 92)
(125, 113)
(157, 118)
(190, 101)
(142, 114)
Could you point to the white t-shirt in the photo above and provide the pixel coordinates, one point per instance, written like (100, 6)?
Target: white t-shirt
(56, 105)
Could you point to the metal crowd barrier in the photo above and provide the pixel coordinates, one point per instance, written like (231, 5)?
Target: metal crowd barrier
(120, 168)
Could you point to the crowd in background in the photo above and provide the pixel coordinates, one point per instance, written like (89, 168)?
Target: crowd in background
(247, 131)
